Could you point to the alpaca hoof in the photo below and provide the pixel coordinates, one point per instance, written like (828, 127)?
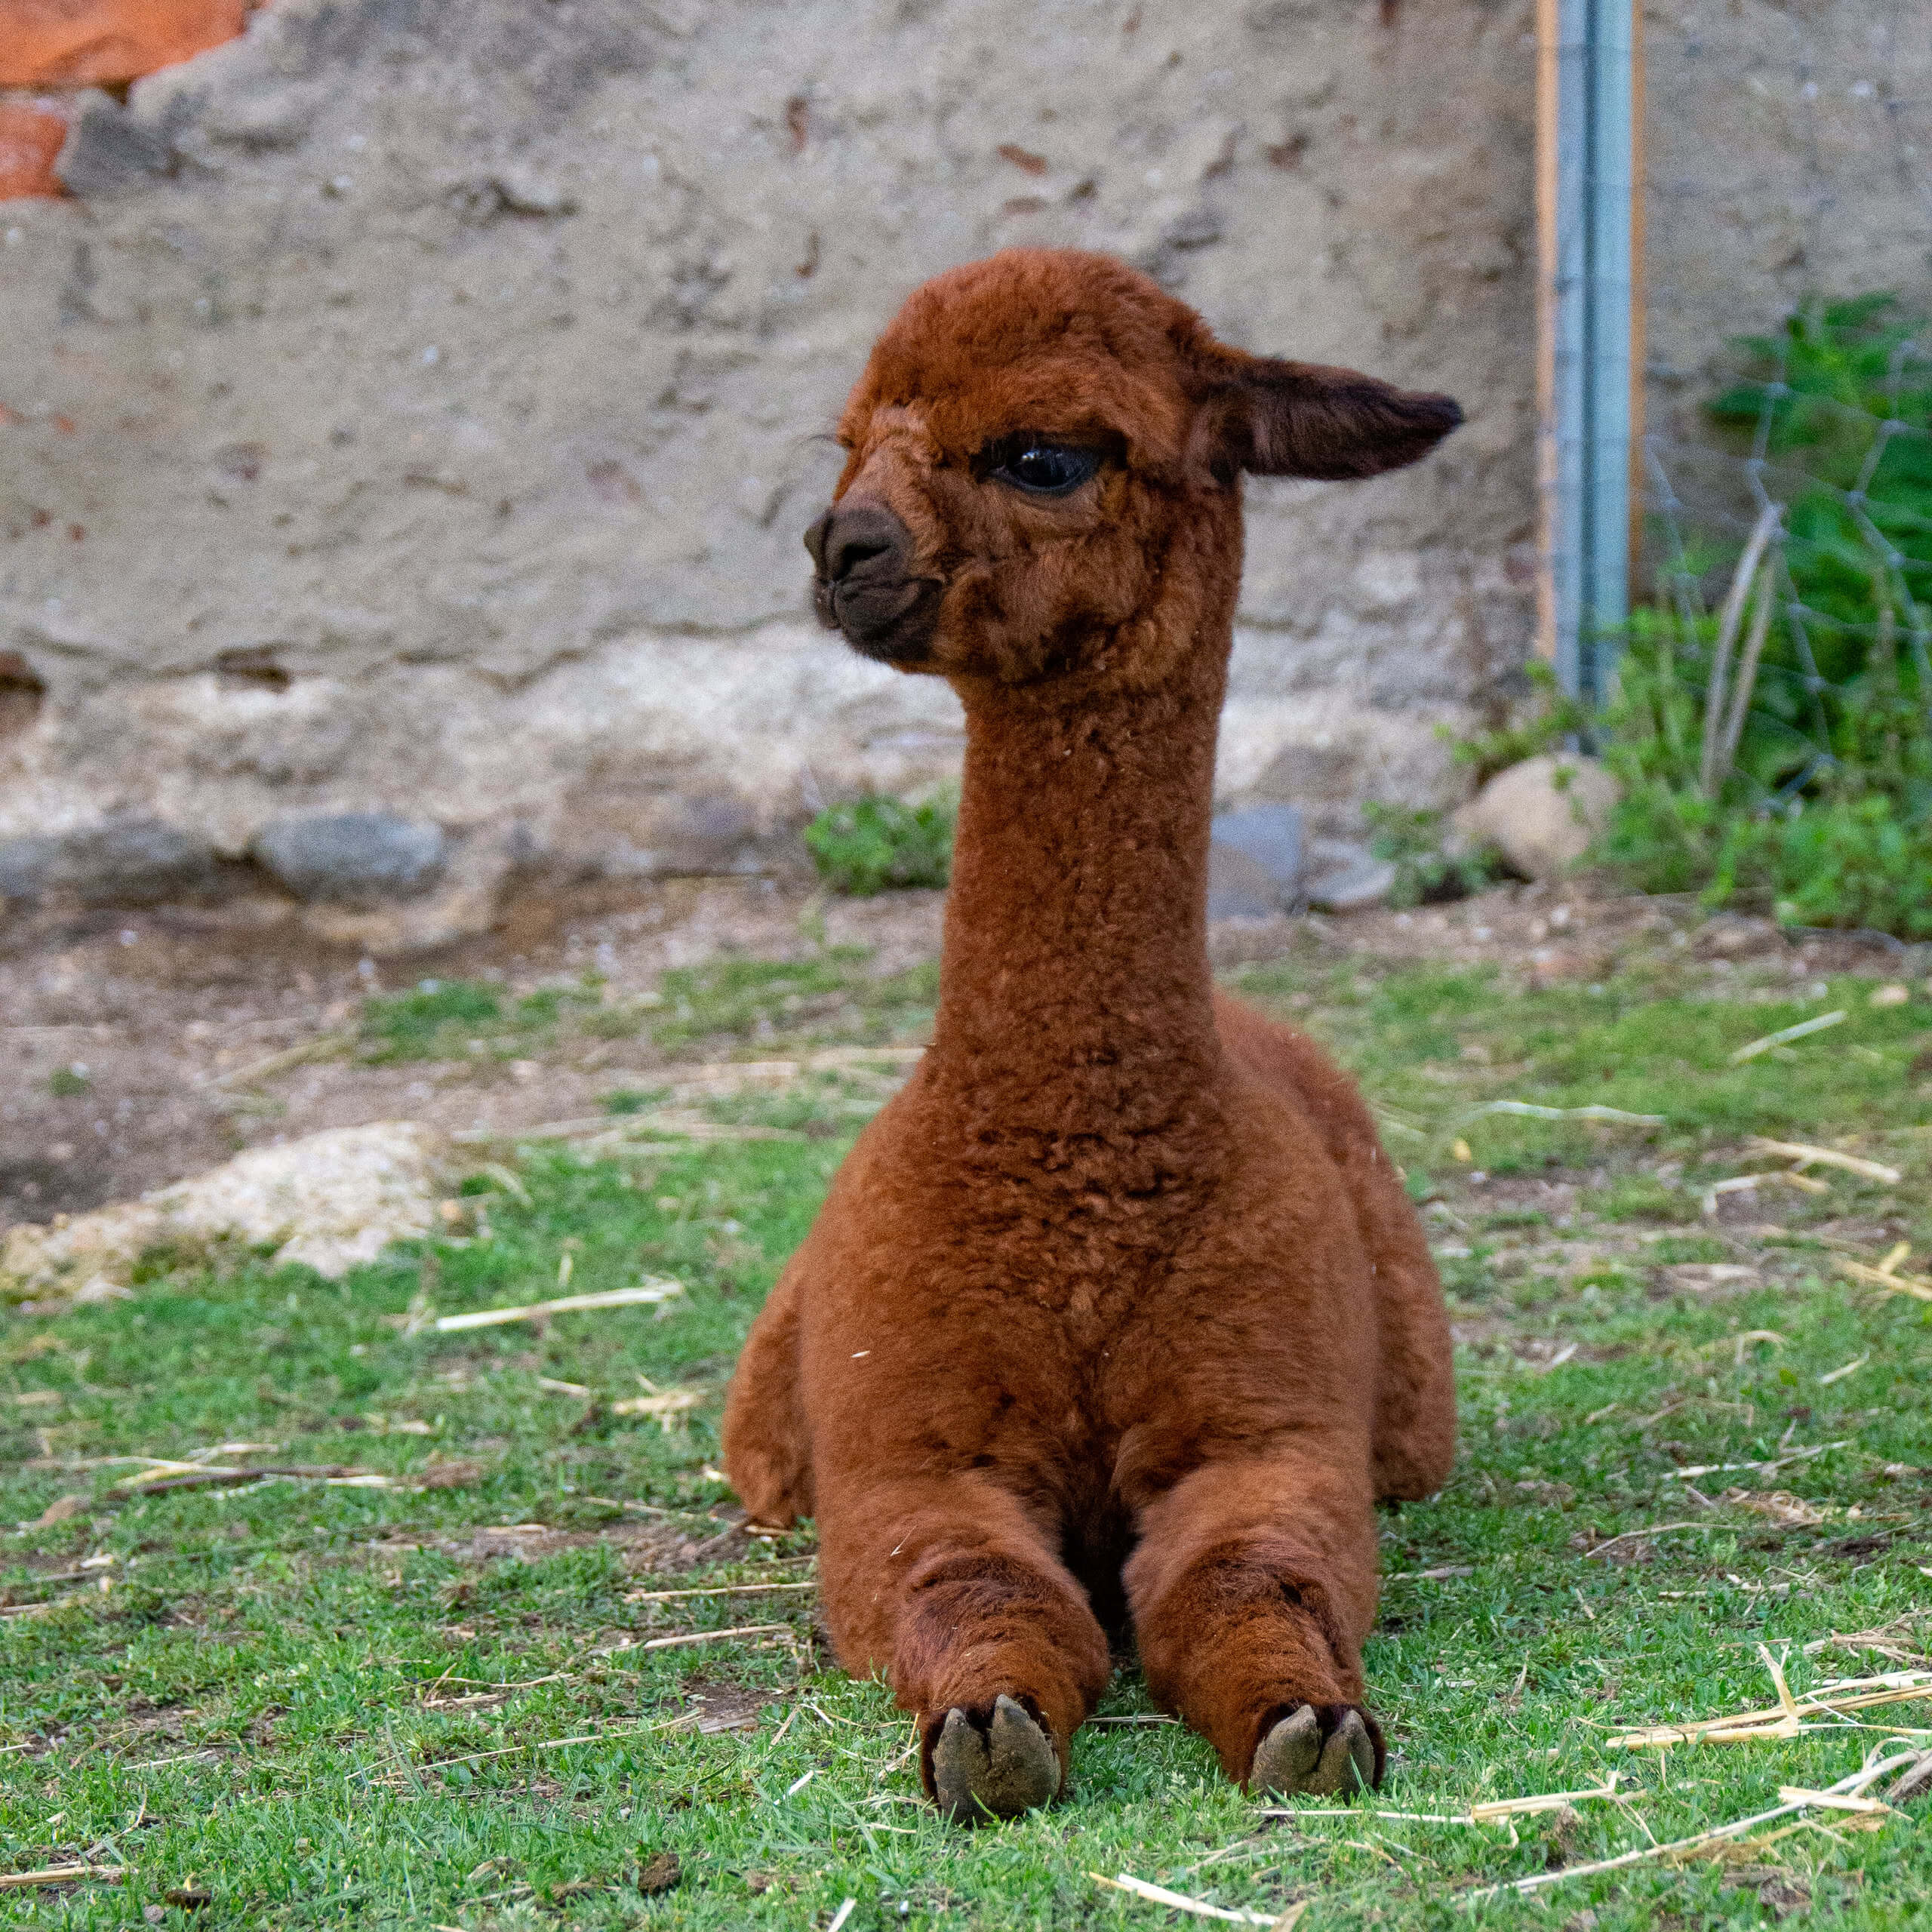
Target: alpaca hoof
(1008, 1767)
(1295, 1757)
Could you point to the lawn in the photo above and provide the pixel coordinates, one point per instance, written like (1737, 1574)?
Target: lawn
(498, 1653)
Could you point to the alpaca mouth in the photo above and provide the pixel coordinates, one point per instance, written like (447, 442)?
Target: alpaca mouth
(890, 620)
(862, 585)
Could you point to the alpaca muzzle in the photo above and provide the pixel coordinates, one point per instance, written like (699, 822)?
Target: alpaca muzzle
(863, 585)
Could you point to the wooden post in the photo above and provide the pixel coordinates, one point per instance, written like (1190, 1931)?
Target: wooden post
(1638, 317)
(1549, 28)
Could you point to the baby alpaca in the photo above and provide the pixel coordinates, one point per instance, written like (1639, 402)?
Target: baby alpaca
(1119, 1311)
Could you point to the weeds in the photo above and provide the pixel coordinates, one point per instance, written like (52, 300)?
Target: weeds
(1785, 757)
(876, 844)
(1777, 752)
(1429, 866)
(458, 1019)
(768, 999)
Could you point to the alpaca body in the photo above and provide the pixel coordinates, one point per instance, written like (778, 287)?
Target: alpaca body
(1118, 1312)
(1108, 1385)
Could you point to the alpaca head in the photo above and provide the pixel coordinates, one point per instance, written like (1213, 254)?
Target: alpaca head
(1043, 466)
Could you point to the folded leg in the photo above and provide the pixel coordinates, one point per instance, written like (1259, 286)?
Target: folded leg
(947, 1587)
(1252, 1588)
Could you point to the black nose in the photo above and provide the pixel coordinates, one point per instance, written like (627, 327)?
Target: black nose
(850, 534)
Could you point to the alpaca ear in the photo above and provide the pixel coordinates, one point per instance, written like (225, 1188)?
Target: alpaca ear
(1299, 419)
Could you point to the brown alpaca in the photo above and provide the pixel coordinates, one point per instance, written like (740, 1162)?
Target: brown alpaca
(1118, 1310)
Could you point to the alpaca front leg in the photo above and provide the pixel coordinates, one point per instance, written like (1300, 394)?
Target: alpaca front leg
(1252, 1588)
(946, 1587)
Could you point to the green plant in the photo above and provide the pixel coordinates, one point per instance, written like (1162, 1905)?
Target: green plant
(878, 844)
(1428, 867)
(634, 1101)
(67, 1083)
(466, 1019)
(1779, 752)
(1848, 844)
(1540, 725)
(407, 1025)
(1840, 401)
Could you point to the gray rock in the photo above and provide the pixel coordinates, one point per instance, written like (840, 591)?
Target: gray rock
(1541, 814)
(351, 856)
(1254, 862)
(462, 903)
(125, 862)
(107, 152)
(1239, 888)
(1344, 876)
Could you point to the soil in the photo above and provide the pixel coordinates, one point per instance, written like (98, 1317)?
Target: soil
(122, 1033)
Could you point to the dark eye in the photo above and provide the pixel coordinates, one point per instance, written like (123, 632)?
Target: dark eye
(1044, 469)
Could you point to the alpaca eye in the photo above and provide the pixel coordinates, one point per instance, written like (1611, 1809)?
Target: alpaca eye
(1045, 469)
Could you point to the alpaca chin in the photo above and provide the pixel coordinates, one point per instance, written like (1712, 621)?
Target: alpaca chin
(891, 621)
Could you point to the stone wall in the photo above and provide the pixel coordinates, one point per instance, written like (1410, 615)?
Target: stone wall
(411, 409)
(1789, 155)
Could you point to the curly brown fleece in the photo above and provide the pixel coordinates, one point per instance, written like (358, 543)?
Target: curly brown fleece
(1118, 1311)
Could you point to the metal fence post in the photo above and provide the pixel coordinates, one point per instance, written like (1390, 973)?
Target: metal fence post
(1587, 224)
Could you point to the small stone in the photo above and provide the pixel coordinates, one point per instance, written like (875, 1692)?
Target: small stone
(1541, 814)
(1891, 995)
(351, 856)
(662, 1874)
(330, 1201)
(122, 862)
(1345, 876)
(1240, 888)
(1254, 862)
(107, 152)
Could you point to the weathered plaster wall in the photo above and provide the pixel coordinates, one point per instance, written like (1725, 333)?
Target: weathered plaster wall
(1789, 155)
(415, 408)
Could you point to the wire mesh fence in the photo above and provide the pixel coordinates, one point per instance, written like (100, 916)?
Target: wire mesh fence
(1786, 463)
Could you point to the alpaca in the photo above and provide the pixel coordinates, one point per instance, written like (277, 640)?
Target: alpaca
(1118, 1313)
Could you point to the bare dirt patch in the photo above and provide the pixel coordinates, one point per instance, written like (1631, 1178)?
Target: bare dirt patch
(120, 1038)
(123, 1035)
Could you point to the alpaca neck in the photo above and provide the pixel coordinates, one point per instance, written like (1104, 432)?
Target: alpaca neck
(1075, 990)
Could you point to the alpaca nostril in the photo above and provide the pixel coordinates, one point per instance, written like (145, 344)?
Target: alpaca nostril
(848, 552)
(848, 535)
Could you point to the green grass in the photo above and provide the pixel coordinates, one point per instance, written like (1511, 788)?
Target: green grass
(343, 1705)
(1431, 1046)
(760, 999)
(457, 1018)
(832, 992)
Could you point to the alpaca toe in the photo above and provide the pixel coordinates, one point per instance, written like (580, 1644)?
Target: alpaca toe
(1289, 1754)
(1297, 1758)
(1007, 1767)
(1348, 1760)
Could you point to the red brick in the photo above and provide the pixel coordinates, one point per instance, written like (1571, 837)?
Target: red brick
(80, 43)
(30, 137)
